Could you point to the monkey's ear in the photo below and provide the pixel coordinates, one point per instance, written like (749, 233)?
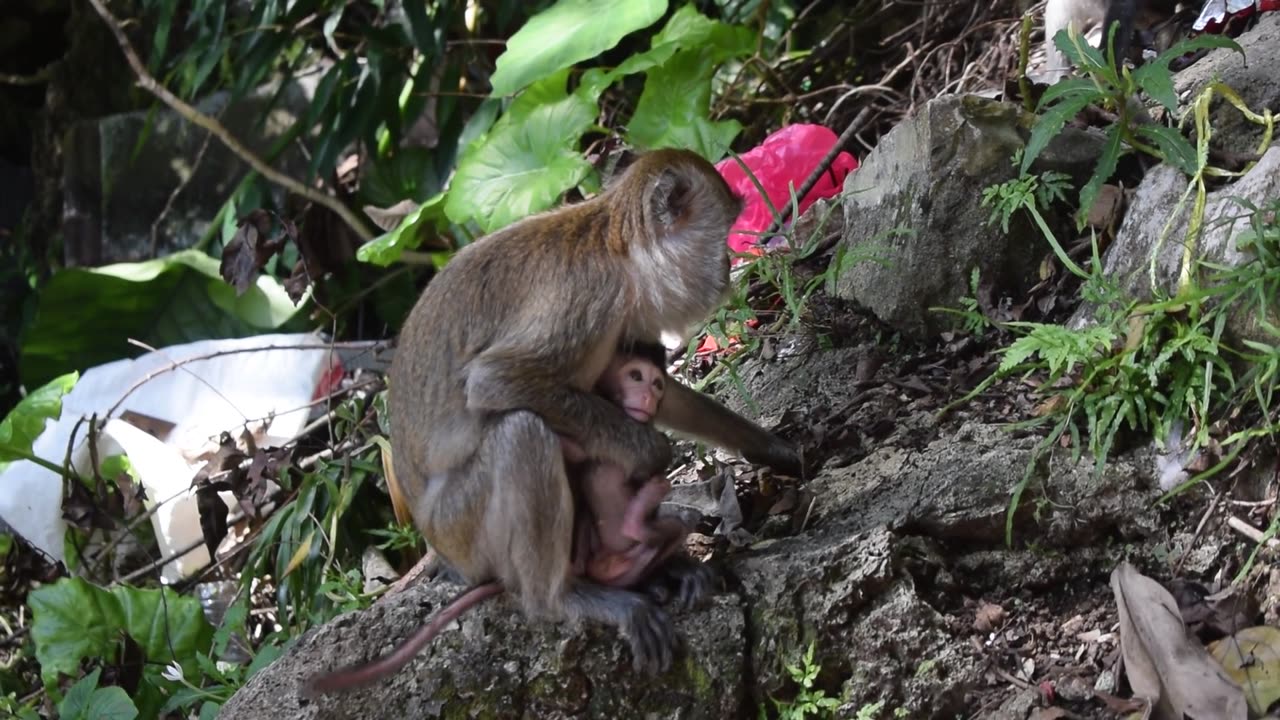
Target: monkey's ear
(671, 197)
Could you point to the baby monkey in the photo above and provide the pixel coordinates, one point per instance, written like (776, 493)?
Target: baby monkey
(626, 540)
(618, 540)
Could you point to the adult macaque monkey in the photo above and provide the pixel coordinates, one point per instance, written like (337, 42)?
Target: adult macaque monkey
(618, 541)
(498, 360)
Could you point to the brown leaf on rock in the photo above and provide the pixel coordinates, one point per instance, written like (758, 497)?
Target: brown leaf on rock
(221, 472)
(1161, 663)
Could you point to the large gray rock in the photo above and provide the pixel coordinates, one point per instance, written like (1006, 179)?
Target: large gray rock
(495, 664)
(1253, 76)
(915, 204)
(1152, 250)
(124, 173)
(1151, 215)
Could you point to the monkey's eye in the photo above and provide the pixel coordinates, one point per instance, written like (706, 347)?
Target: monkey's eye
(636, 375)
(659, 385)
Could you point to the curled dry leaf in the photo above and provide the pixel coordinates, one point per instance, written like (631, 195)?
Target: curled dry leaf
(253, 245)
(988, 617)
(1161, 663)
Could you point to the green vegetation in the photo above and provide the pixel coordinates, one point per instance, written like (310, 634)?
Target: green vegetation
(1142, 367)
(573, 75)
(808, 701)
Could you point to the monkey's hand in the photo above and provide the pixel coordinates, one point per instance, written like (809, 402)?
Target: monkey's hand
(652, 452)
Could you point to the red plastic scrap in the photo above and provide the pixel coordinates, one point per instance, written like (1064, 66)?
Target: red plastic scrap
(784, 159)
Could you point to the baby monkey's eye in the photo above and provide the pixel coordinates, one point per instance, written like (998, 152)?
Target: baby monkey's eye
(636, 375)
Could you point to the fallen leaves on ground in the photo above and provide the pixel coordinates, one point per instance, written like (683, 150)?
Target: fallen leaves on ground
(1161, 662)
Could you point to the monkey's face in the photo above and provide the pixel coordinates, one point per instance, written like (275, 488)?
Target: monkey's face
(637, 385)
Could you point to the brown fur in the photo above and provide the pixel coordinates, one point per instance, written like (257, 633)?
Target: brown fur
(499, 358)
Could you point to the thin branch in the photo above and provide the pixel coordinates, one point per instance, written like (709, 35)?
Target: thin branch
(151, 85)
(39, 77)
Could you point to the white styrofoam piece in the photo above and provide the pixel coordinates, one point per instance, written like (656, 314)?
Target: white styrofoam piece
(201, 398)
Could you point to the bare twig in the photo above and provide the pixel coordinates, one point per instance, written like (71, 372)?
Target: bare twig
(151, 85)
(39, 77)
(1251, 532)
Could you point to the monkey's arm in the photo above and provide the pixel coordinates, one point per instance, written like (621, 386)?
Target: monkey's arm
(500, 381)
(690, 412)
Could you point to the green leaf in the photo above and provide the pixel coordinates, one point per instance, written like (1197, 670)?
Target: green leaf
(526, 160)
(1102, 172)
(1084, 55)
(408, 235)
(111, 703)
(73, 620)
(1068, 87)
(26, 421)
(1051, 123)
(76, 701)
(674, 109)
(1156, 78)
(85, 316)
(686, 30)
(566, 33)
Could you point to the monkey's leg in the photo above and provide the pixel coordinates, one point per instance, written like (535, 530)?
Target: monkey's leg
(636, 523)
(356, 675)
(527, 540)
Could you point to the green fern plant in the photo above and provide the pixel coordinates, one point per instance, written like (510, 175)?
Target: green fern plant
(809, 701)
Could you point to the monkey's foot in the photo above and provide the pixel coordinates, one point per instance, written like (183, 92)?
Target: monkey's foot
(652, 636)
(681, 582)
(645, 625)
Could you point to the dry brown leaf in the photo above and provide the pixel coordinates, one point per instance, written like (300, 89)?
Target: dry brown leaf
(1106, 207)
(988, 617)
(1161, 663)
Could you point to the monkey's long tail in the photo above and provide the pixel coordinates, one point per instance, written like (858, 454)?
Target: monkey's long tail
(356, 675)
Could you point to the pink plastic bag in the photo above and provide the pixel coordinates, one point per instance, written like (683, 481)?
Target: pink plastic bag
(786, 156)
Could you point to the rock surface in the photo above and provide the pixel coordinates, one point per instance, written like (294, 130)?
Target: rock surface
(873, 580)
(914, 205)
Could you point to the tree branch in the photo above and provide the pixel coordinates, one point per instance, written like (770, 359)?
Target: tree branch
(151, 85)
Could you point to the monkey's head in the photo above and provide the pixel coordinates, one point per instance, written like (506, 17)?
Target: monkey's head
(678, 211)
(635, 383)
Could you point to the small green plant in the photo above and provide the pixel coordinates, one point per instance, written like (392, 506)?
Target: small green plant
(397, 537)
(1102, 84)
(871, 711)
(972, 320)
(809, 701)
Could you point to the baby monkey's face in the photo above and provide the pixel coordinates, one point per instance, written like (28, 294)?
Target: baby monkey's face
(637, 385)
